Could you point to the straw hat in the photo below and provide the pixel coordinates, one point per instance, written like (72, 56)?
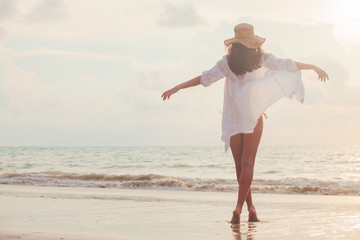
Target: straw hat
(244, 34)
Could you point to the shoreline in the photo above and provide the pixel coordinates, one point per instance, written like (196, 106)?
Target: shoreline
(36, 212)
(153, 181)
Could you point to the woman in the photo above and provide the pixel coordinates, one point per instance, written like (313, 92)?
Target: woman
(253, 81)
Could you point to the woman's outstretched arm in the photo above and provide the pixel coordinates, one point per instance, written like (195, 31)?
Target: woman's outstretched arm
(191, 83)
(322, 75)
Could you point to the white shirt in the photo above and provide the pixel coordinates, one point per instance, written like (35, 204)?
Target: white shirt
(247, 96)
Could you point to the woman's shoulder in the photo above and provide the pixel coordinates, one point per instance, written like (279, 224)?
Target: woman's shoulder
(223, 63)
(266, 56)
(223, 59)
(272, 62)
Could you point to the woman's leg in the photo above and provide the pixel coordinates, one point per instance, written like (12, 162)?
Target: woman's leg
(236, 147)
(250, 143)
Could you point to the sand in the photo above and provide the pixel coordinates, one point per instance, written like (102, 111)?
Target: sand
(29, 212)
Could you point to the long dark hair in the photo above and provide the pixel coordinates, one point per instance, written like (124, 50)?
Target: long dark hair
(242, 59)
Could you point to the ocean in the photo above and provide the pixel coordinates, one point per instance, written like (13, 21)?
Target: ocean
(320, 170)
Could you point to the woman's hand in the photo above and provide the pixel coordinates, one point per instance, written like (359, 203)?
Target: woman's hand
(191, 83)
(322, 75)
(168, 93)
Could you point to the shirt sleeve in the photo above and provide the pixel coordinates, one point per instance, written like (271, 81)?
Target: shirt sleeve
(214, 74)
(274, 63)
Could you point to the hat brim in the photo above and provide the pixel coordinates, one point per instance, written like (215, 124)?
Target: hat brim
(253, 42)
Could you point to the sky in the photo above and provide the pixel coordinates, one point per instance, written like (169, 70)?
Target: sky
(91, 73)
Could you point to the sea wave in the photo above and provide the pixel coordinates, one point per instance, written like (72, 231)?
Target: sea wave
(156, 181)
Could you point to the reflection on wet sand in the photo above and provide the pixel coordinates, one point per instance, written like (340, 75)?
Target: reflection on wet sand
(248, 235)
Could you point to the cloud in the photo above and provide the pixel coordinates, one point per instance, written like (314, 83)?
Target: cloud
(179, 16)
(80, 98)
(79, 90)
(338, 90)
(2, 32)
(48, 10)
(75, 54)
(7, 8)
(90, 91)
(2, 99)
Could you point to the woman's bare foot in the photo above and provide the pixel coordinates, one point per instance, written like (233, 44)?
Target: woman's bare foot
(252, 215)
(236, 217)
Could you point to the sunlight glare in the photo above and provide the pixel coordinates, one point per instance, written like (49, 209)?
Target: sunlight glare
(346, 20)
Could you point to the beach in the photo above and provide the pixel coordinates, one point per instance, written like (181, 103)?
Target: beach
(38, 212)
(176, 193)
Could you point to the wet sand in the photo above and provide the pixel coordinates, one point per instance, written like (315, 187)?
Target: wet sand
(29, 212)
